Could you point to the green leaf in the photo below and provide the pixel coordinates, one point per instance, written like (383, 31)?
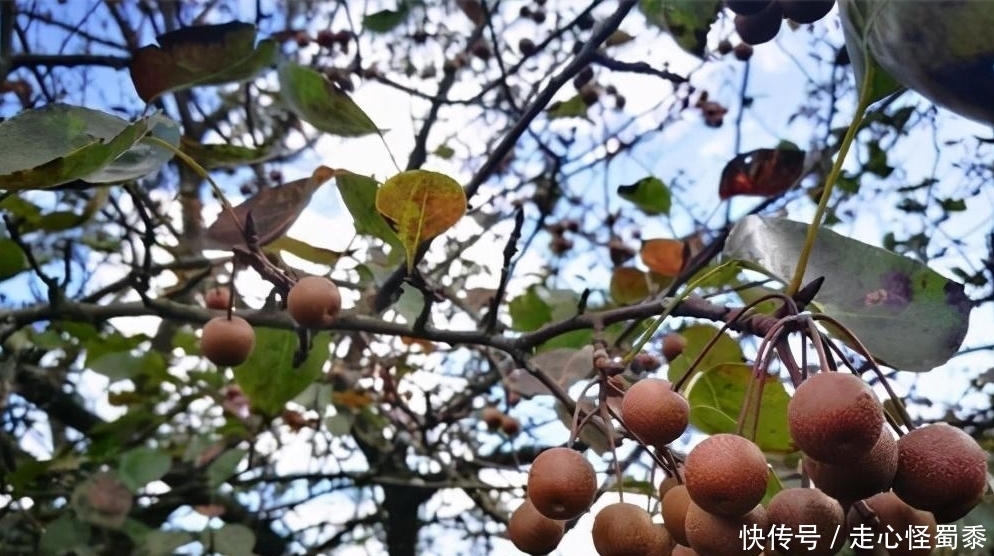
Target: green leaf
(143, 158)
(319, 102)
(269, 378)
(717, 395)
(222, 468)
(305, 250)
(122, 365)
(385, 21)
(909, 316)
(359, 195)
(649, 194)
(687, 20)
(575, 107)
(200, 55)
(529, 311)
(163, 543)
(232, 538)
(12, 259)
(725, 350)
(60, 143)
(222, 155)
(65, 535)
(854, 15)
(141, 466)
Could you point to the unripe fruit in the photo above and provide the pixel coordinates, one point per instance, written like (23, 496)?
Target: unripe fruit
(532, 532)
(760, 27)
(623, 529)
(675, 504)
(673, 345)
(218, 298)
(561, 483)
(726, 475)
(940, 469)
(227, 343)
(314, 302)
(894, 516)
(835, 417)
(654, 412)
(812, 508)
(859, 478)
(712, 535)
(806, 11)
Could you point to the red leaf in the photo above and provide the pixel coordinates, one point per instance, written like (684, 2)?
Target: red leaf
(763, 172)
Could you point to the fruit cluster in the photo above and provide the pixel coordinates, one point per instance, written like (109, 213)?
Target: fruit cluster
(866, 482)
(227, 341)
(758, 21)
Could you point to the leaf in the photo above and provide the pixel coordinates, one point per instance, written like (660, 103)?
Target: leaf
(12, 259)
(200, 55)
(717, 394)
(268, 377)
(163, 543)
(64, 535)
(143, 158)
(909, 316)
(222, 155)
(141, 466)
(420, 205)
(321, 103)
(725, 350)
(122, 365)
(575, 107)
(529, 311)
(763, 172)
(385, 21)
(854, 14)
(59, 143)
(224, 466)
(305, 251)
(649, 194)
(274, 209)
(359, 195)
(629, 285)
(664, 256)
(232, 538)
(687, 20)
(592, 434)
(564, 366)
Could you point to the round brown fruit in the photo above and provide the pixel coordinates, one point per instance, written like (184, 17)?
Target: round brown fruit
(859, 478)
(682, 550)
(675, 504)
(806, 11)
(940, 469)
(227, 343)
(492, 417)
(712, 535)
(669, 483)
(893, 517)
(726, 475)
(742, 52)
(509, 425)
(760, 27)
(561, 483)
(748, 7)
(532, 532)
(623, 529)
(673, 345)
(654, 412)
(314, 302)
(218, 298)
(835, 417)
(794, 507)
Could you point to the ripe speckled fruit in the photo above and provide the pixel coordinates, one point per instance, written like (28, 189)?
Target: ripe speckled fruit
(726, 475)
(940, 469)
(314, 302)
(532, 532)
(893, 515)
(675, 504)
(858, 478)
(712, 535)
(673, 345)
(835, 417)
(623, 529)
(227, 343)
(809, 507)
(654, 412)
(561, 483)
(218, 298)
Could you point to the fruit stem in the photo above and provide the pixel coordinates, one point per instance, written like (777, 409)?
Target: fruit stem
(833, 176)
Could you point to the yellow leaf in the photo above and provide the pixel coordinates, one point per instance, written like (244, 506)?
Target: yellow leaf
(629, 285)
(664, 256)
(420, 205)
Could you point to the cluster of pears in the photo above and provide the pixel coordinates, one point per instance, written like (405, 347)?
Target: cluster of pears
(758, 21)
(227, 341)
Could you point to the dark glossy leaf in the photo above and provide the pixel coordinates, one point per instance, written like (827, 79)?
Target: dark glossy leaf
(12, 259)
(908, 316)
(763, 172)
(200, 55)
(321, 103)
(854, 15)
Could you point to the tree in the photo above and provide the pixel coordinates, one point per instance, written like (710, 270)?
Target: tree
(513, 253)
